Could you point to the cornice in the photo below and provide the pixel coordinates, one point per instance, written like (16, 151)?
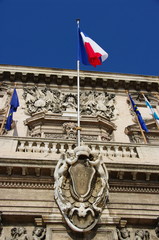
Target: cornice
(134, 189)
(30, 185)
(117, 186)
(56, 77)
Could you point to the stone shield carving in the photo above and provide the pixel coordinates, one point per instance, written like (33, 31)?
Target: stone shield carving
(81, 188)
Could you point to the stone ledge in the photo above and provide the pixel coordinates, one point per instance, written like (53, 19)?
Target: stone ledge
(55, 76)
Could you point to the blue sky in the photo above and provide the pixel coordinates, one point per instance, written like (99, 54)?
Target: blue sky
(43, 33)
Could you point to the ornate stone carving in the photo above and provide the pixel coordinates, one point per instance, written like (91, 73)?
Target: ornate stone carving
(1, 225)
(14, 233)
(98, 103)
(54, 136)
(39, 233)
(139, 235)
(69, 103)
(18, 233)
(123, 233)
(147, 235)
(140, 101)
(134, 132)
(92, 103)
(37, 100)
(142, 235)
(5, 95)
(81, 188)
(157, 228)
(70, 130)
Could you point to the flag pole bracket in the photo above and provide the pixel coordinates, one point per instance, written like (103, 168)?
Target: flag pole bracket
(79, 128)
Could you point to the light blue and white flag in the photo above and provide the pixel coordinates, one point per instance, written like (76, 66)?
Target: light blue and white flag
(151, 110)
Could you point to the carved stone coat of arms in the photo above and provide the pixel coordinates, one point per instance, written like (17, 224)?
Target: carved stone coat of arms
(81, 188)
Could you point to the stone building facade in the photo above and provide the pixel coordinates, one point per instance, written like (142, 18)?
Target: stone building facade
(53, 189)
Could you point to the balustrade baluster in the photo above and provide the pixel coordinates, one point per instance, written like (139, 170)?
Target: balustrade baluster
(62, 148)
(21, 148)
(29, 148)
(54, 148)
(110, 151)
(106, 150)
(93, 147)
(133, 154)
(45, 148)
(36, 149)
(125, 152)
(101, 149)
(117, 151)
(70, 148)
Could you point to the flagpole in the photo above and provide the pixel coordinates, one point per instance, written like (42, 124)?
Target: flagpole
(78, 87)
(142, 132)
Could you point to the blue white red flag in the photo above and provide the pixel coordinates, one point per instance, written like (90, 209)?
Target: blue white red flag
(14, 104)
(151, 110)
(91, 52)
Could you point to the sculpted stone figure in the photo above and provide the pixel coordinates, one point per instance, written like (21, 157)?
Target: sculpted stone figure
(87, 102)
(147, 235)
(5, 99)
(157, 228)
(139, 235)
(81, 188)
(98, 103)
(18, 233)
(101, 102)
(44, 99)
(39, 233)
(70, 103)
(123, 234)
(14, 233)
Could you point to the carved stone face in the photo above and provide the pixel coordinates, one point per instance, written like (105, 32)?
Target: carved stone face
(38, 232)
(70, 129)
(21, 230)
(70, 100)
(140, 233)
(13, 231)
(124, 232)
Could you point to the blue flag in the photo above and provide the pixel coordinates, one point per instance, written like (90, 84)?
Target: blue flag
(14, 104)
(138, 114)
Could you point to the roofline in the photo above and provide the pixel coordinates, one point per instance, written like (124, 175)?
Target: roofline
(61, 76)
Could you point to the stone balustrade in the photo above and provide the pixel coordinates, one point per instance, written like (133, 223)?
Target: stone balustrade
(48, 146)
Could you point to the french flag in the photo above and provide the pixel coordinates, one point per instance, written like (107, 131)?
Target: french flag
(91, 52)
